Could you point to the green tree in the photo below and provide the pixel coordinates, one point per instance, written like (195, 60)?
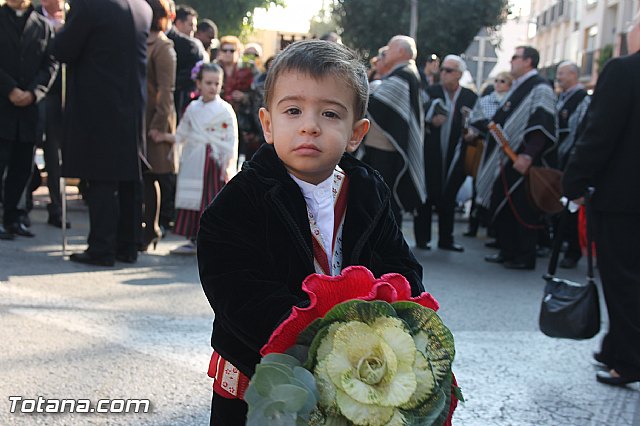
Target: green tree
(233, 17)
(444, 26)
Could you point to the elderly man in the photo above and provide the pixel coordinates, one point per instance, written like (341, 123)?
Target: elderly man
(528, 119)
(394, 144)
(606, 156)
(571, 108)
(27, 70)
(447, 104)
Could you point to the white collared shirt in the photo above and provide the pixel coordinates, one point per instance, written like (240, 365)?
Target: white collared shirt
(518, 81)
(319, 199)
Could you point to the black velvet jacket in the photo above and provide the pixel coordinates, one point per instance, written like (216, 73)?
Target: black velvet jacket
(254, 249)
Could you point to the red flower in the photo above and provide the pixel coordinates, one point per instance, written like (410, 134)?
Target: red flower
(225, 125)
(355, 282)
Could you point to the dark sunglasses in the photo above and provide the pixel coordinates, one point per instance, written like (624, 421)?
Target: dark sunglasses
(446, 69)
(228, 50)
(497, 80)
(514, 57)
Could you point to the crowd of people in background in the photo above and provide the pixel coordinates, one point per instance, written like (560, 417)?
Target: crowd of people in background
(160, 112)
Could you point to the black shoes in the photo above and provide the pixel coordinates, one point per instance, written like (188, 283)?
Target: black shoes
(423, 246)
(57, 222)
(601, 360)
(608, 378)
(511, 264)
(543, 252)
(19, 229)
(492, 244)
(451, 247)
(6, 235)
(126, 258)
(494, 258)
(89, 259)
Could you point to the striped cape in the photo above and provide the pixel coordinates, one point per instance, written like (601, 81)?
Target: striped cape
(531, 106)
(571, 114)
(396, 108)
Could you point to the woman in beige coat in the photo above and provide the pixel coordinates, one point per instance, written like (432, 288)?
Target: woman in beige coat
(160, 120)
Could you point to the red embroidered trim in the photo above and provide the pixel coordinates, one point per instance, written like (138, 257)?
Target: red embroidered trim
(339, 210)
(228, 381)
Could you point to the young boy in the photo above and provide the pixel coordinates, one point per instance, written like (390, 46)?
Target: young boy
(302, 205)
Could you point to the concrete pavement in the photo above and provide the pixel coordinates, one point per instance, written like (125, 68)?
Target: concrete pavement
(142, 331)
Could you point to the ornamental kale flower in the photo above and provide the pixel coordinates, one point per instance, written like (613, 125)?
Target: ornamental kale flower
(379, 364)
(375, 356)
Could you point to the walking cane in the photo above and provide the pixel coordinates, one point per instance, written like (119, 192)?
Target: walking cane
(63, 180)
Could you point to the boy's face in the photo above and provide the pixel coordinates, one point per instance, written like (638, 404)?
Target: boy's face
(311, 124)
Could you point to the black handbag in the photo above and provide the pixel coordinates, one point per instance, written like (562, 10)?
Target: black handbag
(570, 310)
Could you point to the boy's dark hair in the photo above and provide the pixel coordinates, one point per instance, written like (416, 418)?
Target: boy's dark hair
(530, 52)
(318, 59)
(183, 12)
(209, 67)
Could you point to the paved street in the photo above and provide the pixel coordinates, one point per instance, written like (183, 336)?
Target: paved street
(73, 331)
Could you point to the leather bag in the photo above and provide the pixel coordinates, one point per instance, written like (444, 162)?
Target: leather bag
(569, 310)
(544, 184)
(472, 157)
(545, 189)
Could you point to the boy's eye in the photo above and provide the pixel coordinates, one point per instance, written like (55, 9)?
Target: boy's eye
(330, 114)
(292, 111)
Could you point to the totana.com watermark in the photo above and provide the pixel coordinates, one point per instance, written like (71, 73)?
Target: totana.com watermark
(20, 404)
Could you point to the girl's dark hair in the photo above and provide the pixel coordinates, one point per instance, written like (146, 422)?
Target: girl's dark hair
(209, 67)
(161, 12)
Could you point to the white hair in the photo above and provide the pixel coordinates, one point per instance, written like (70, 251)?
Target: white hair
(571, 65)
(462, 65)
(407, 44)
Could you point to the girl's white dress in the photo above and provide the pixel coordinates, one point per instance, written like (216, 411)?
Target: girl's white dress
(203, 124)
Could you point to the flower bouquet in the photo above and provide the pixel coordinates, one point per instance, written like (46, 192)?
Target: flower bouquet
(364, 352)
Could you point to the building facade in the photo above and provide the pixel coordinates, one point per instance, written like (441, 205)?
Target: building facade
(587, 32)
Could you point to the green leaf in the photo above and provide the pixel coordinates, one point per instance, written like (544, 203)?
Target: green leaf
(283, 359)
(268, 376)
(425, 380)
(306, 377)
(432, 337)
(323, 337)
(457, 392)
(293, 397)
(435, 410)
(360, 310)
